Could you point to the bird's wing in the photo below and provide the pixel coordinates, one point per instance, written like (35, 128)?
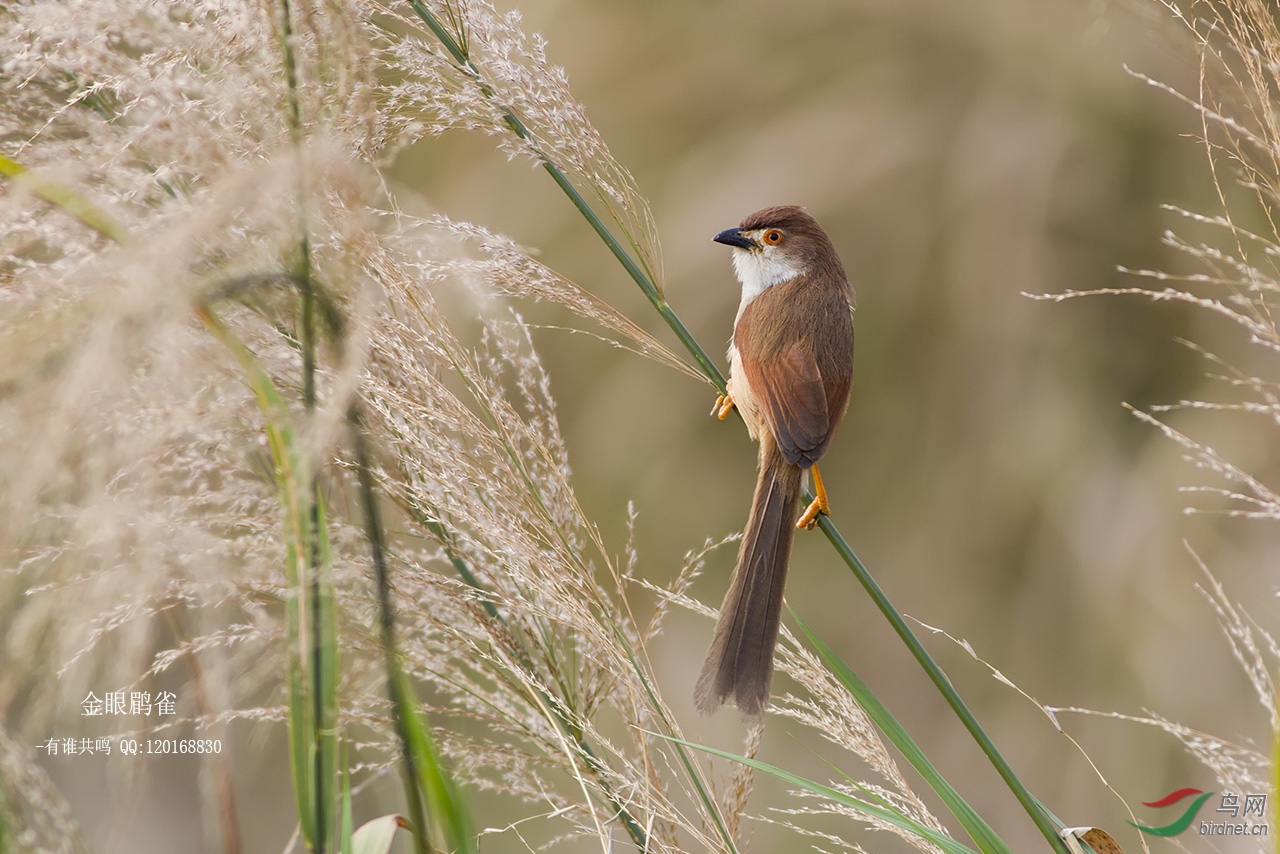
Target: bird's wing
(789, 391)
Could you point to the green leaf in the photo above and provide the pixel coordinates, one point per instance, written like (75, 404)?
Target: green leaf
(982, 833)
(447, 811)
(882, 812)
(344, 831)
(65, 198)
(324, 649)
(310, 619)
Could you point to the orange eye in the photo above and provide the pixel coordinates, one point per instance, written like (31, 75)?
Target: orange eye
(773, 237)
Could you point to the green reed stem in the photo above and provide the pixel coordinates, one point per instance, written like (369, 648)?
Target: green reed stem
(323, 698)
(376, 536)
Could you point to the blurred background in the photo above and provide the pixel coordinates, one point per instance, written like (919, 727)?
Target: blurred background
(959, 154)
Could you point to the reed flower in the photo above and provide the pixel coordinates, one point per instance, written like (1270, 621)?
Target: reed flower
(1232, 253)
(173, 162)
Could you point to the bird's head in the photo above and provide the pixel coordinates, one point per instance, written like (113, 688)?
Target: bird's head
(775, 245)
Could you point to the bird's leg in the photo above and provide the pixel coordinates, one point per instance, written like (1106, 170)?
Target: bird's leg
(724, 405)
(819, 506)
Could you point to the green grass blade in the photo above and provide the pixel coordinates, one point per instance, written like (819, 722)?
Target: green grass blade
(345, 830)
(311, 720)
(450, 820)
(881, 811)
(941, 682)
(61, 196)
(299, 725)
(982, 833)
(1053, 817)
(324, 651)
(376, 537)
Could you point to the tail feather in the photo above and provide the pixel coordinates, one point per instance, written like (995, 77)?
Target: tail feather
(739, 664)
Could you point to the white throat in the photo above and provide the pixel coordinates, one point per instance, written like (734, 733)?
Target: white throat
(759, 270)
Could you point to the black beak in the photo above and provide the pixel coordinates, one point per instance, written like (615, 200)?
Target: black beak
(734, 237)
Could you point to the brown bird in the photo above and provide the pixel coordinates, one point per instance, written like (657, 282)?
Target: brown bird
(791, 363)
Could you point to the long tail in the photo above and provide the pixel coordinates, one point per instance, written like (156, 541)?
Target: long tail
(739, 664)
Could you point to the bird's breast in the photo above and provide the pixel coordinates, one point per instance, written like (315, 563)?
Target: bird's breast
(744, 398)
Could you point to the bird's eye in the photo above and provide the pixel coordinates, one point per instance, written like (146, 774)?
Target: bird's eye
(773, 237)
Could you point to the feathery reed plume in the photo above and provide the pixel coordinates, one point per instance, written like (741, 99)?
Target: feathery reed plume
(828, 710)
(544, 645)
(33, 814)
(1236, 767)
(504, 80)
(1238, 46)
(163, 166)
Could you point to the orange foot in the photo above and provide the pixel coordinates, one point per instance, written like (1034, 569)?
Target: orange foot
(724, 405)
(819, 506)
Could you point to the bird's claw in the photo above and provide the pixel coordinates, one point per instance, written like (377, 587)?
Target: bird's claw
(818, 507)
(809, 520)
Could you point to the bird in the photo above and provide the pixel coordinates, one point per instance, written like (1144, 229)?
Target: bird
(791, 368)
